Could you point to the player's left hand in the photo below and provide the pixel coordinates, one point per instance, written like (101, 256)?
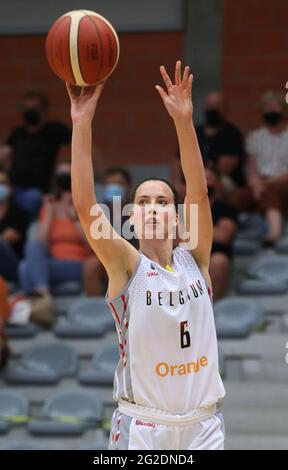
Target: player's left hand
(178, 96)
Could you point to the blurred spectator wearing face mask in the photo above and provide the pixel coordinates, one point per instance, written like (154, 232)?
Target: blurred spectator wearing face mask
(222, 146)
(267, 166)
(13, 226)
(30, 152)
(117, 182)
(60, 250)
(225, 225)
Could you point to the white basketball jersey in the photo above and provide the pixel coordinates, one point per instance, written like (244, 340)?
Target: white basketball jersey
(168, 345)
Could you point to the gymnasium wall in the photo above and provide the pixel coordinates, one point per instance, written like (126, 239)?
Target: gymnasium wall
(254, 55)
(25, 16)
(131, 125)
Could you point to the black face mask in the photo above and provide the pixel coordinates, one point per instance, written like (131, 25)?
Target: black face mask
(211, 191)
(272, 118)
(31, 117)
(63, 181)
(213, 117)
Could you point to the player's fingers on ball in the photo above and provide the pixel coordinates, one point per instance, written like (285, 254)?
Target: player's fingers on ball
(100, 87)
(69, 89)
(88, 90)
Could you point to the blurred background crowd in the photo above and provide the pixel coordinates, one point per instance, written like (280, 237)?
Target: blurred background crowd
(41, 240)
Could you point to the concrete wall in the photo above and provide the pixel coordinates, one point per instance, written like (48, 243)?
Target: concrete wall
(131, 125)
(36, 16)
(203, 48)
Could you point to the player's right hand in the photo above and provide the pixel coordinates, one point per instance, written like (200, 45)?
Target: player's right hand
(83, 104)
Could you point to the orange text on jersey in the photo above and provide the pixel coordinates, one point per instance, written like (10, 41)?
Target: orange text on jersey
(163, 369)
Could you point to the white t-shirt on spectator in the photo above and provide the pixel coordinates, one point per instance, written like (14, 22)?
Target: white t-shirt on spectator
(270, 151)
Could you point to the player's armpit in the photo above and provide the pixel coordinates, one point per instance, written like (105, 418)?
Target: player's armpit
(113, 251)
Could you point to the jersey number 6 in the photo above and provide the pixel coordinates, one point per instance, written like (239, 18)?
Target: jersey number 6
(184, 335)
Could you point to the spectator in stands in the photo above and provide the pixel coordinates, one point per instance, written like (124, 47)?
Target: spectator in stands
(267, 166)
(4, 315)
(32, 149)
(117, 182)
(222, 146)
(224, 218)
(60, 250)
(13, 226)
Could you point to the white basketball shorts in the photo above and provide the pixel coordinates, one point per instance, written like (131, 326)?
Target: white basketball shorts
(134, 433)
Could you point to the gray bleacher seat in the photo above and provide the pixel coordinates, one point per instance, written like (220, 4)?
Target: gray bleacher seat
(4, 427)
(13, 405)
(140, 172)
(95, 446)
(271, 267)
(24, 446)
(260, 287)
(67, 288)
(282, 245)
(251, 226)
(21, 331)
(267, 275)
(221, 359)
(242, 246)
(87, 317)
(68, 412)
(236, 317)
(102, 369)
(43, 364)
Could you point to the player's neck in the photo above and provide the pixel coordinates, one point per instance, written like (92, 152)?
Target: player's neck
(161, 253)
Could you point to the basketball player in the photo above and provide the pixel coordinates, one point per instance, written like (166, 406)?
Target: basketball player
(167, 382)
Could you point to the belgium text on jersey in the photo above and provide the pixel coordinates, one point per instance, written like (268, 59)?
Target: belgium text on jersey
(174, 298)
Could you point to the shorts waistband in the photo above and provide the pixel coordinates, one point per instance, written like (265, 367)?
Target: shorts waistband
(162, 417)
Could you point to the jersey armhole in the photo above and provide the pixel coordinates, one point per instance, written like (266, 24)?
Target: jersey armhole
(210, 293)
(122, 292)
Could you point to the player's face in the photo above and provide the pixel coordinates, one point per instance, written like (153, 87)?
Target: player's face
(154, 213)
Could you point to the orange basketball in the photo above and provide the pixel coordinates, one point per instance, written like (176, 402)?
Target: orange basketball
(82, 47)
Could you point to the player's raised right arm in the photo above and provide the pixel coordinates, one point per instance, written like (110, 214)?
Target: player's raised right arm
(114, 252)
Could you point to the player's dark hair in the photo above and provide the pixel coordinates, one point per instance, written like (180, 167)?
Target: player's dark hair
(156, 178)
